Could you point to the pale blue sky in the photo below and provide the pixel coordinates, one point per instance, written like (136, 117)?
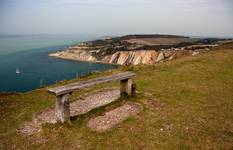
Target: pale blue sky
(117, 17)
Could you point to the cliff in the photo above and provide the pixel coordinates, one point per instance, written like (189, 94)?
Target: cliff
(135, 50)
(78, 55)
(134, 57)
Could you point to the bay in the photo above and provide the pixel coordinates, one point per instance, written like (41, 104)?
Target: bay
(36, 67)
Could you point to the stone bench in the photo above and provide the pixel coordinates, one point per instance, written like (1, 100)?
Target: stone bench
(63, 93)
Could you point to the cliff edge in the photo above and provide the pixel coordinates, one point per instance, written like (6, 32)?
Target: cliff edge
(138, 49)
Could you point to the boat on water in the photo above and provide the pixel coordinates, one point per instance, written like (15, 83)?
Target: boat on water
(17, 71)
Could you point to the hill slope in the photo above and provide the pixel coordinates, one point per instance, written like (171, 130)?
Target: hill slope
(187, 105)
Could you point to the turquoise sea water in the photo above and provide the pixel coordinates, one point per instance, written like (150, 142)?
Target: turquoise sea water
(29, 53)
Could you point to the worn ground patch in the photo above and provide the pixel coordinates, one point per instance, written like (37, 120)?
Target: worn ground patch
(78, 107)
(94, 100)
(114, 117)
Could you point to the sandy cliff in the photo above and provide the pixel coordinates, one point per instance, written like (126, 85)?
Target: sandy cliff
(134, 57)
(135, 50)
(79, 55)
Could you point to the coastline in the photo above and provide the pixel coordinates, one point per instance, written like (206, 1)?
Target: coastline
(37, 69)
(136, 49)
(79, 60)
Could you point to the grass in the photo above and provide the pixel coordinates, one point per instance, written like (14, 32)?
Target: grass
(193, 109)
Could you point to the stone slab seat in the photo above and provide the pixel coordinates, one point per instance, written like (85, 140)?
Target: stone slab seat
(63, 93)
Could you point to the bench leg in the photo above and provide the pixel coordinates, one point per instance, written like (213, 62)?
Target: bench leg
(126, 86)
(63, 108)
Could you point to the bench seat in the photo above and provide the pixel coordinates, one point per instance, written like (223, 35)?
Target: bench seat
(84, 84)
(63, 93)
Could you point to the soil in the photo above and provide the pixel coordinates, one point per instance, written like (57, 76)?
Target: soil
(78, 107)
(114, 117)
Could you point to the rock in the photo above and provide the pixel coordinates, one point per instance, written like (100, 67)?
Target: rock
(149, 57)
(129, 56)
(173, 56)
(122, 60)
(107, 59)
(114, 58)
(160, 57)
(134, 57)
(168, 53)
(114, 117)
(91, 58)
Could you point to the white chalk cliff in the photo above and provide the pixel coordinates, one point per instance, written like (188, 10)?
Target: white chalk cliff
(134, 57)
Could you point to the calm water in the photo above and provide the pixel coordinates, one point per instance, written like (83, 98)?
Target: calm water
(30, 55)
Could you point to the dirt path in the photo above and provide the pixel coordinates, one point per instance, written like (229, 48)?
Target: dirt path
(78, 107)
(114, 117)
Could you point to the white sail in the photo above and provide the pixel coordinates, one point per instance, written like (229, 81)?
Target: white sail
(17, 71)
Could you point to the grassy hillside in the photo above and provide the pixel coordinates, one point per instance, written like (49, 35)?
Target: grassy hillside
(188, 104)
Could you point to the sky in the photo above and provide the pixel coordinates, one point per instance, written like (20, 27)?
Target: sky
(212, 18)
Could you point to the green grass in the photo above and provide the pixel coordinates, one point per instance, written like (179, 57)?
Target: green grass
(194, 97)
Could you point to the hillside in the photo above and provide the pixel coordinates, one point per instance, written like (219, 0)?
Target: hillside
(132, 49)
(187, 104)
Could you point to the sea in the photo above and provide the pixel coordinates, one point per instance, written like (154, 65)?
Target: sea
(25, 64)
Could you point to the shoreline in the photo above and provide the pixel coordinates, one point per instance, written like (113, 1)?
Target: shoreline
(79, 60)
(135, 50)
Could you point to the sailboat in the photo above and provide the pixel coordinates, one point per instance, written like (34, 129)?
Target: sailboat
(17, 71)
(41, 83)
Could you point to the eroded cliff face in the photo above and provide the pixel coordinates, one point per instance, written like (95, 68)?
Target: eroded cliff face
(132, 57)
(153, 56)
(79, 55)
(136, 49)
(144, 56)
